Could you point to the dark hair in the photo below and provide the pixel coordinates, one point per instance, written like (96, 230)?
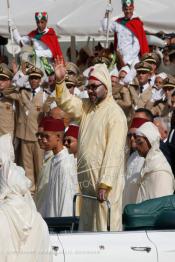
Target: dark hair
(173, 94)
(147, 112)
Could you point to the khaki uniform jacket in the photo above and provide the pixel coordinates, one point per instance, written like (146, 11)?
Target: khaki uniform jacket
(7, 116)
(30, 112)
(140, 99)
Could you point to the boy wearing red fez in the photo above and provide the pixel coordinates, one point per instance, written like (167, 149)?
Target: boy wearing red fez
(43, 177)
(71, 139)
(62, 185)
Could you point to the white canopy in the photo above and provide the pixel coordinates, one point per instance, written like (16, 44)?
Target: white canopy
(82, 17)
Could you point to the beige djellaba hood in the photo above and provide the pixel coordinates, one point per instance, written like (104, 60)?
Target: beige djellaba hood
(100, 71)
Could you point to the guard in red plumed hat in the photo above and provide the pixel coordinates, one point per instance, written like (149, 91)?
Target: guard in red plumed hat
(129, 35)
(43, 40)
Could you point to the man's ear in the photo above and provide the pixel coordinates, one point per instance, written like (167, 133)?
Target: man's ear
(60, 137)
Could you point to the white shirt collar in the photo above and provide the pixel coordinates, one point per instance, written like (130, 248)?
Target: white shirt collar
(145, 86)
(45, 30)
(37, 90)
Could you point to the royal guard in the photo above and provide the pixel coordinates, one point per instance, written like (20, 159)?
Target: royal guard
(129, 35)
(43, 40)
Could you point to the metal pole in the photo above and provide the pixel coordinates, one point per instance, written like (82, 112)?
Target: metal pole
(94, 198)
(73, 49)
(108, 21)
(10, 29)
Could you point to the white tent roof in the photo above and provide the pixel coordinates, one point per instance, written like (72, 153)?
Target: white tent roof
(82, 17)
(158, 15)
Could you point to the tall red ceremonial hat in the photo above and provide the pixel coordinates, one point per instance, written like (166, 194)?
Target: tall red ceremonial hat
(53, 125)
(72, 131)
(138, 121)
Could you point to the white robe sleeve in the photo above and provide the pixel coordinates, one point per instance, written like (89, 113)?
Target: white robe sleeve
(112, 25)
(40, 48)
(44, 53)
(25, 40)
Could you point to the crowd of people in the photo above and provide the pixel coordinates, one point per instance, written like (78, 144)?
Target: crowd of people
(103, 126)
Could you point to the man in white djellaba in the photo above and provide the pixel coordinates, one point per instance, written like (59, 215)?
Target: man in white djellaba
(20, 224)
(63, 183)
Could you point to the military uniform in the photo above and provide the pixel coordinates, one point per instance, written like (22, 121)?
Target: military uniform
(152, 59)
(7, 116)
(162, 107)
(141, 95)
(7, 106)
(72, 69)
(30, 113)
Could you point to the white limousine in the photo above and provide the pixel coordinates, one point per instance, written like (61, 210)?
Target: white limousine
(151, 241)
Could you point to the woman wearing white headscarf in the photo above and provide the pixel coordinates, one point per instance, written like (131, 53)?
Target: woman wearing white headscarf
(156, 177)
(24, 234)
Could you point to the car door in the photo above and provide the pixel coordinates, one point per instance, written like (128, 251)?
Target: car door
(165, 243)
(108, 247)
(56, 248)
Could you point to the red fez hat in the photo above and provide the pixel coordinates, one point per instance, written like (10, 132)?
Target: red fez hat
(72, 131)
(53, 125)
(137, 122)
(46, 118)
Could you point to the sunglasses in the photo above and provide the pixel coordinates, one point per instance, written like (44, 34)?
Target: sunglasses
(93, 87)
(142, 72)
(70, 72)
(139, 142)
(34, 77)
(3, 78)
(68, 141)
(70, 86)
(130, 134)
(168, 88)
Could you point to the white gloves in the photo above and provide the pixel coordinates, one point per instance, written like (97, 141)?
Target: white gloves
(39, 53)
(157, 95)
(109, 8)
(11, 24)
